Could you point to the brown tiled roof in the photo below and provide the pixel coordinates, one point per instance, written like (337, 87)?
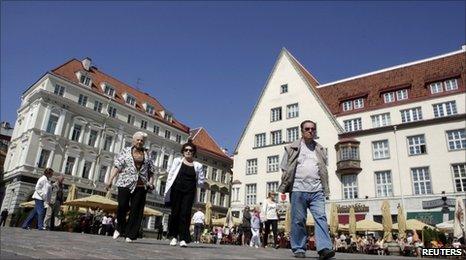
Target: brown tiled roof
(415, 77)
(69, 69)
(204, 141)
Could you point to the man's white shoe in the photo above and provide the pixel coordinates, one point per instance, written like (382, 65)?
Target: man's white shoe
(183, 243)
(128, 240)
(116, 234)
(173, 242)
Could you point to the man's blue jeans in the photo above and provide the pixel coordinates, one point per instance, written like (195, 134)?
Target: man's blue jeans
(300, 202)
(39, 211)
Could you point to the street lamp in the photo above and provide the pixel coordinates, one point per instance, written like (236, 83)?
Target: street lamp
(445, 209)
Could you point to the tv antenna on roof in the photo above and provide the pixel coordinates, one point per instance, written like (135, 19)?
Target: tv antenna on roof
(138, 81)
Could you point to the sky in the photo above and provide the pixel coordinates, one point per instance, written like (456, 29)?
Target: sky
(207, 62)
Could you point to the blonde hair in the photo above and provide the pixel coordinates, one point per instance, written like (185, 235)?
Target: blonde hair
(140, 134)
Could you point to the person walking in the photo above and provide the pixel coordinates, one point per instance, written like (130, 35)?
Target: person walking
(183, 176)
(41, 195)
(305, 177)
(198, 220)
(53, 209)
(269, 207)
(4, 216)
(135, 171)
(255, 227)
(246, 226)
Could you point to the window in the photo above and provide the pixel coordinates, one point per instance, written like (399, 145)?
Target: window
(380, 150)
(165, 161)
(44, 158)
(109, 91)
(153, 156)
(421, 181)
(92, 137)
(283, 88)
(459, 176)
(59, 90)
(235, 194)
(272, 163)
(143, 124)
(350, 186)
(82, 100)
(402, 94)
(130, 119)
(76, 132)
(358, 103)
(214, 174)
(389, 97)
(383, 184)
(272, 186)
(202, 196)
(445, 109)
(69, 165)
(150, 109)
(292, 134)
(251, 166)
(451, 84)
(223, 177)
(108, 143)
(436, 87)
(456, 139)
(222, 200)
(213, 197)
(163, 185)
(130, 100)
(168, 117)
(112, 111)
(353, 124)
(381, 120)
(204, 169)
(102, 173)
(156, 129)
(52, 124)
(86, 169)
(292, 111)
(98, 106)
(349, 153)
(275, 114)
(347, 105)
(260, 140)
(167, 134)
(276, 137)
(410, 115)
(85, 80)
(178, 138)
(251, 194)
(416, 145)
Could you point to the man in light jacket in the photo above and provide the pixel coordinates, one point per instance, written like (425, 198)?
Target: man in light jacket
(41, 195)
(305, 177)
(53, 208)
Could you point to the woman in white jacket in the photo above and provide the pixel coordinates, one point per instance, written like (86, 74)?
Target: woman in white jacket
(41, 195)
(183, 177)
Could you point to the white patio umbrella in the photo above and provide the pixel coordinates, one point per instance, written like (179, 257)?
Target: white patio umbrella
(460, 218)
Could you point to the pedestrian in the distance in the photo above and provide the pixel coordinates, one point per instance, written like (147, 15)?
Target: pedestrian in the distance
(40, 196)
(4, 215)
(56, 200)
(198, 220)
(183, 177)
(269, 208)
(246, 226)
(255, 227)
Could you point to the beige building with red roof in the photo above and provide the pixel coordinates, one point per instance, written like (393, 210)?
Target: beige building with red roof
(76, 118)
(395, 134)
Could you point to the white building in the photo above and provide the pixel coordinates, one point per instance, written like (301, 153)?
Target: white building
(395, 134)
(75, 119)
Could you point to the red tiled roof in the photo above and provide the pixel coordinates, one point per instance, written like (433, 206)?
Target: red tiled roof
(69, 69)
(415, 77)
(204, 141)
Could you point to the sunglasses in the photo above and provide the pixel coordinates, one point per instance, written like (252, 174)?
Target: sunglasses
(188, 150)
(309, 129)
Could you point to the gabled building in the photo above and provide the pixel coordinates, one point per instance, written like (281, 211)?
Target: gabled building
(396, 134)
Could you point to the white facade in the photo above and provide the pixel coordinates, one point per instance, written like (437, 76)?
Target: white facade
(391, 157)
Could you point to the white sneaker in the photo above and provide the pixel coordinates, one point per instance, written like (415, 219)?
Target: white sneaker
(183, 243)
(116, 234)
(128, 240)
(257, 246)
(173, 242)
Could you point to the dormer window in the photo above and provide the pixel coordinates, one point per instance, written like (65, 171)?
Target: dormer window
(395, 95)
(348, 105)
(109, 91)
(149, 109)
(85, 80)
(168, 117)
(446, 85)
(130, 100)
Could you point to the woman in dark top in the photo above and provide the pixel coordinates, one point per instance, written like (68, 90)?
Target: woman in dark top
(184, 176)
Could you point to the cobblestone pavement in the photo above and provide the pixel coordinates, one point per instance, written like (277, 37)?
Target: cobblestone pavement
(17, 243)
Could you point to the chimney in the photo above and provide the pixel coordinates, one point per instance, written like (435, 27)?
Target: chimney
(463, 47)
(86, 63)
